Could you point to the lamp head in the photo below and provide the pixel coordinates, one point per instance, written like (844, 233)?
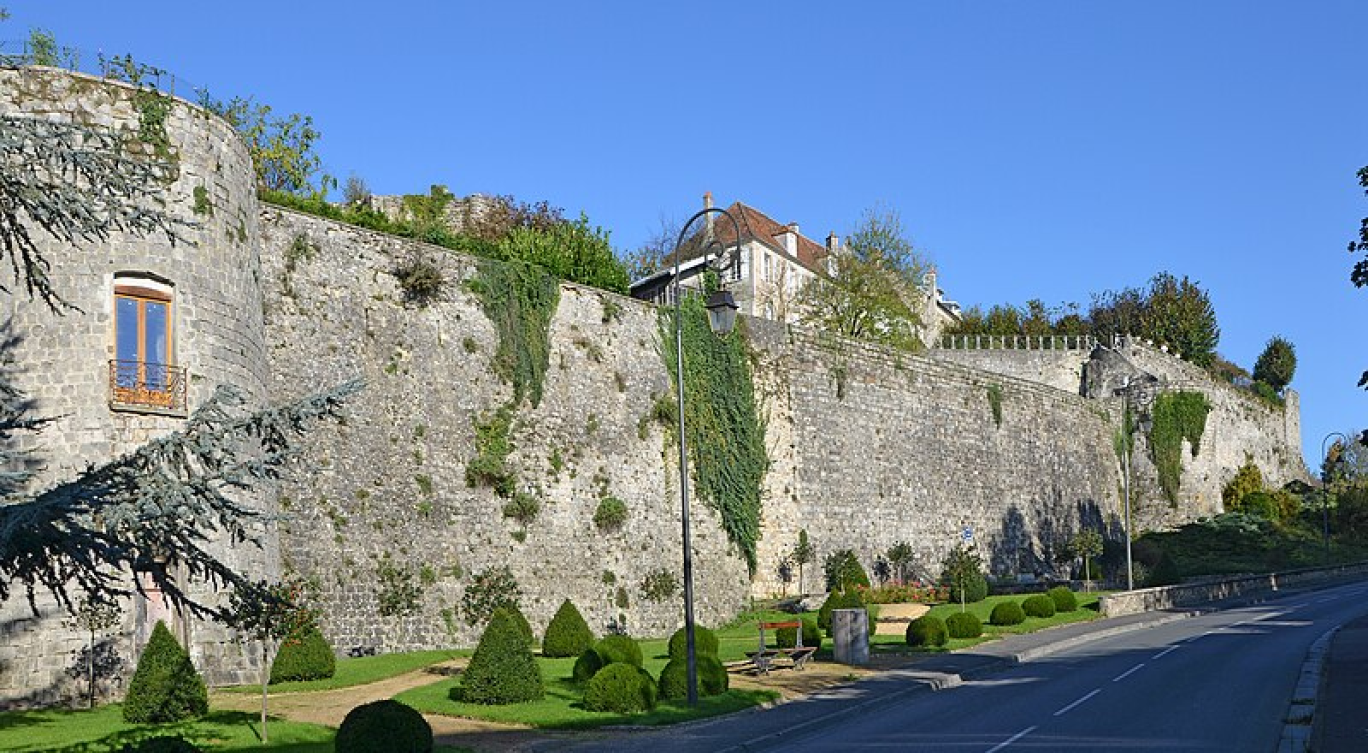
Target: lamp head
(721, 312)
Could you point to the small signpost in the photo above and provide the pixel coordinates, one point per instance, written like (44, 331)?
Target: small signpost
(967, 536)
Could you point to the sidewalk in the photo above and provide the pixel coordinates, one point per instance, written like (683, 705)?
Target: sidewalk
(1341, 723)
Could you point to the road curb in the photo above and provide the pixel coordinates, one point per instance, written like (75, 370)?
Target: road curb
(1299, 722)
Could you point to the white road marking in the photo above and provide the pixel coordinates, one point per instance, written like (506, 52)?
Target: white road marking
(1075, 704)
(1128, 672)
(1011, 739)
(1164, 652)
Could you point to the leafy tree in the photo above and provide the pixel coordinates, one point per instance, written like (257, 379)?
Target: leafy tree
(1359, 274)
(1179, 314)
(569, 250)
(94, 615)
(282, 148)
(1247, 480)
(1086, 544)
(1116, 313)
(962, 572)
(1276, 364)
(874, 287)
(900, 557)
(843, 571)
(803, 554)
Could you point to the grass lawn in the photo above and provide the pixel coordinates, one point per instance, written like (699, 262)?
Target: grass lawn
(1087, 610)
(360, 670)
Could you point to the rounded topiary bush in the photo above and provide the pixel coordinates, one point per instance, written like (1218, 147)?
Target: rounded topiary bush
(383, 725)
(712, 678)
(586, 666)
(1007, 613)
(305, 655)
(964, 625)
(1064, 599)
(705, 642)
(812, 635)
(502, 669)
(567, 634)
(927, 630)
(165, 687)
(161, 744)
(1038, 605)
(621, 648)
(622, 688)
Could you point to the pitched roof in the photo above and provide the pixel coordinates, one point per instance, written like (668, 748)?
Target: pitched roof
(761, 228)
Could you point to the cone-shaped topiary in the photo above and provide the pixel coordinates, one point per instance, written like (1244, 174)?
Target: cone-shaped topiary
(1063, 598)
(1038, 605)
(964, 625)
(622, 688)
(304, 656)
(1007, 613)
(705, 642)
(165, 687)
(502, 669)
(927, 630)
(788, 637)
(838, 600)
(520, 620)
(567, 634)
(384, 725)
(586, 666)
(619, 648)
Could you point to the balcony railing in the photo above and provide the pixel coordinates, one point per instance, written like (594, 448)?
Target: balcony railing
(136, 384)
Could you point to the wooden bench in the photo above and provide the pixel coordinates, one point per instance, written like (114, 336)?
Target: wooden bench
(798, 655)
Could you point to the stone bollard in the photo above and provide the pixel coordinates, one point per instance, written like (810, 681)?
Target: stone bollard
(850, 630)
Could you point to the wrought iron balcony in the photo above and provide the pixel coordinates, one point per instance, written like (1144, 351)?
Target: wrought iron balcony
(156, 386)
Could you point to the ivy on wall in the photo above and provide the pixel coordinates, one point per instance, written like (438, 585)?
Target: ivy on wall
(726, 434)
(520, 299)
(1175, 416)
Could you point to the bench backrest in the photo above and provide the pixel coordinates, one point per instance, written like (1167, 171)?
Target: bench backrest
(776, 626)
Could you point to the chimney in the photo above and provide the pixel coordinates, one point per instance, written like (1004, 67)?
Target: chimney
(791, 239)
(833, 243)
(708, 218)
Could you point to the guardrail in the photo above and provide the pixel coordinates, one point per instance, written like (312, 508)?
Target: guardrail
(1221, 588)
(43, 50)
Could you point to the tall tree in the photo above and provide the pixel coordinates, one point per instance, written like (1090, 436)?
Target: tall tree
(1179, 314)
(1359, 274)
(1276, 364)
(874, 290)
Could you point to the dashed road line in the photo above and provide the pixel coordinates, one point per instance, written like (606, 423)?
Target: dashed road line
(1011, 739)
(1128, 672)
(1165, 652)
(1075, 704)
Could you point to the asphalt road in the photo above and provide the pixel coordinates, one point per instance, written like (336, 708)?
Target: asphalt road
(1217, 682)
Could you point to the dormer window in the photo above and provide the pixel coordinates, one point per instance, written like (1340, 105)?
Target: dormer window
(143, 374)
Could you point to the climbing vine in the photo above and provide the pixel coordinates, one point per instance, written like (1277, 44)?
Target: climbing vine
(1175, 416)
(995, 403)
(520, 299)
(726, 435)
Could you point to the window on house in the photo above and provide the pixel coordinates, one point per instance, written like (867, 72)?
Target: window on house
(143, 374)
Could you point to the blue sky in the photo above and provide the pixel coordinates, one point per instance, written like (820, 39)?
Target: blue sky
(1034, 150)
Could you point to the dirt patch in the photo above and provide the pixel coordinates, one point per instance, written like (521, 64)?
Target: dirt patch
(893, 618)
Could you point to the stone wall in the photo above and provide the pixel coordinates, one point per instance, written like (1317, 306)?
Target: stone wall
(1061, 369)
(61, 361)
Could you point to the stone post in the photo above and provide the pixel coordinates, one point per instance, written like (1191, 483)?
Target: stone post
(850, 630)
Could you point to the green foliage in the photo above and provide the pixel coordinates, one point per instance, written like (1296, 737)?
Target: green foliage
(1276, 364)
(304, 655)
(520, 621)
(726, 436)
(838, 600)
(161, 744)
(962, 573)
(165, 687)
(429, 213)
(1064, 599)
(619, 648)
(788, 637)
(1247, 480)
(203, 207)
(489, 467)
(491, 588)
(927, 630)
(503, 669)
(420, 278)
(843, 571)
(1165, 573)
(567, 634)
(995, 403)
(621, 688)
(383, 725)
(712, 677)
(1265, 392)
(1175, 416)
(1087, 545)
(569, 250)
(964, 625)
(282, 148)
(705, 642)
(1179, 314)
(611, 514)
(586, 666)
(659, 585)
(1358, 275)
(396, 593)
(520, 299)
(523, 507)
(1007, 613)
(1038, 605)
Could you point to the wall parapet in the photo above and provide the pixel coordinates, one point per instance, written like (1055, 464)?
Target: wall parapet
(1218, 589)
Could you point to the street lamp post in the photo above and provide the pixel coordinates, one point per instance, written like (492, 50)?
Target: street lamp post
(1325, 493)
(721, 318)
(1126, 449)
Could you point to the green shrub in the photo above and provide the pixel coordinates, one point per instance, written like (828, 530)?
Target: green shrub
(1064, 599)
(161, 744)
(964, 625)
(383, 725)
(1038, 605)
(712, 678)
(306, 656)
(1165, 572)
(837, 600)
(610, 514)
(502, 669)
(705, 642)
(788, 637)
(165, 687)
(621, 649)
(927, 630)
(1007, 613)
(519, 619)
(962, 570)
(586, 666)
(620, 688)
(567, 634)
(843, 571)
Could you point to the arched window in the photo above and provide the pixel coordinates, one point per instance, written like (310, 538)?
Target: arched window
(143, 373)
